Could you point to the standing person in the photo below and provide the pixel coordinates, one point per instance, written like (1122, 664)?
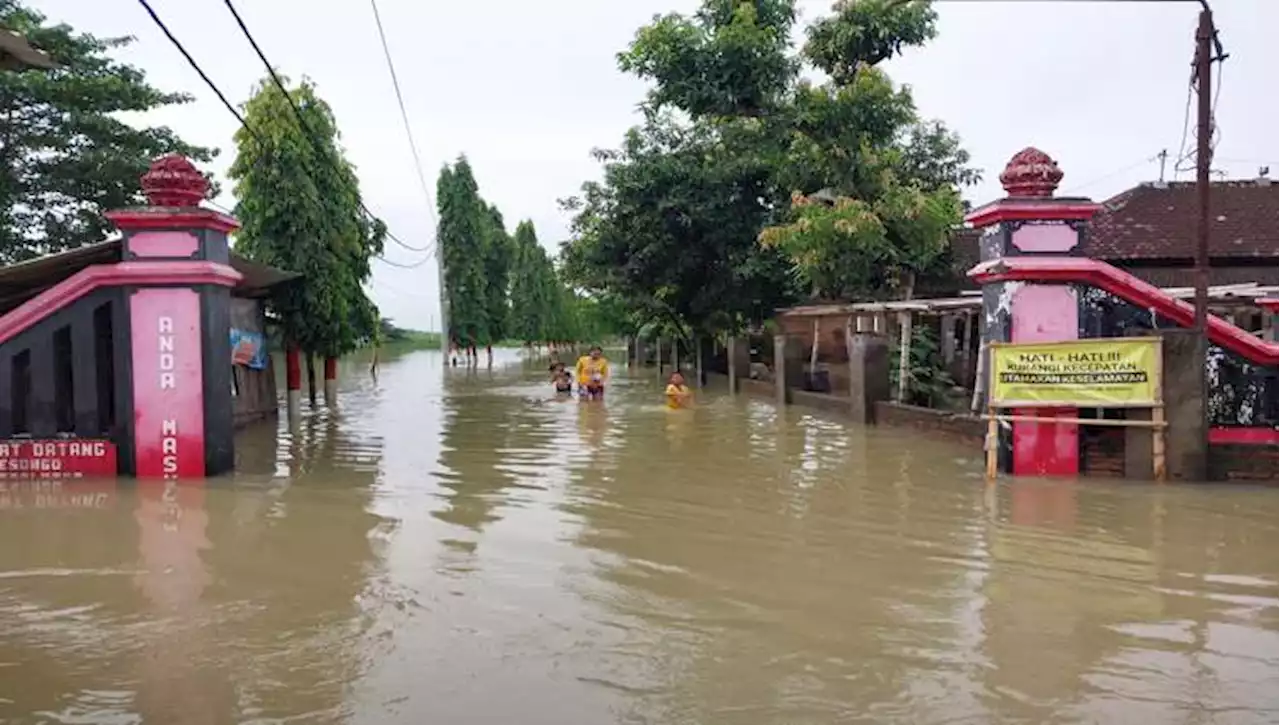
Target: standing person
(592, 373)
(678, 394)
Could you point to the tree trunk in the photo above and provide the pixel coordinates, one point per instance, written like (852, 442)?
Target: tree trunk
(311, 377)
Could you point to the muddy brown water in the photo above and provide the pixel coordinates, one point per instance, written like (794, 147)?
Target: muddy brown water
(454, 548)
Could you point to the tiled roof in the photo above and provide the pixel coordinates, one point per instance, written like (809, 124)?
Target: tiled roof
(1153, 221)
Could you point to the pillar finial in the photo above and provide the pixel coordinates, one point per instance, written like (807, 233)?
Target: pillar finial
(1031, 173)
(173, 181)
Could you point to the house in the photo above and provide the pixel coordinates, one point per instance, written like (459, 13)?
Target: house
(1150, 232)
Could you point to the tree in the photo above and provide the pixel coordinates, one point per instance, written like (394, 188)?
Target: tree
(499, 250)
(65, 157)
(705, 223)
(464, 226)
(533, 288)
(298, 201)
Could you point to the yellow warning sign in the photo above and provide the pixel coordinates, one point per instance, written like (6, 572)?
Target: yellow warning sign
(1101, 373)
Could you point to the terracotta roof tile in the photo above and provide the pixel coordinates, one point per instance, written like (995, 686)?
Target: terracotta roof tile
(1159, 222)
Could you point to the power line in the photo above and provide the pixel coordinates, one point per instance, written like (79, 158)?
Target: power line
(231, 107)
(401, 265)
(302, 121)
(1113, 174)
(404, 115)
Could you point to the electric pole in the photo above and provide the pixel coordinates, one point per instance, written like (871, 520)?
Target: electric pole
(1204, 133)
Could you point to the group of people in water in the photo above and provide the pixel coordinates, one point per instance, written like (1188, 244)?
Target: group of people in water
(591, 373)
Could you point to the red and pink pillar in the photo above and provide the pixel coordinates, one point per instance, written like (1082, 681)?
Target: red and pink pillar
(1031, 221)
(178, 324)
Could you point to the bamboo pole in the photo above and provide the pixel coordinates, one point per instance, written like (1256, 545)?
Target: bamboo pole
(1104, 422)
(992, 444)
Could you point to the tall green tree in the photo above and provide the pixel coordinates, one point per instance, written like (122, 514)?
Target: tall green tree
(536, 293)
(298, 201)
(65, 156)
(499, 252)
(464, 229)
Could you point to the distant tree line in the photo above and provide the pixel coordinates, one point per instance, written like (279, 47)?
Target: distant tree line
(501, 286)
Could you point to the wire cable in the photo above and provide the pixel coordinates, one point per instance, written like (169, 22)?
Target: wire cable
(191, 61)
(404, 115)
(401, 265)
(302, 121)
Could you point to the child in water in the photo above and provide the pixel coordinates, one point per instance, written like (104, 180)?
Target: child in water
(592, 373)
(561, 378)
(678, 394)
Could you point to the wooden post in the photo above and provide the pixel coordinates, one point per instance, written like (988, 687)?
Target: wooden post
(657, 360)
(731, 353)
(904, 354)
(992, 444)
(1159, 469)
(780, 368)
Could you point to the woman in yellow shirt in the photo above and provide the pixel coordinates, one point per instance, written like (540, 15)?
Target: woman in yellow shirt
(592, 373)
(678, 394)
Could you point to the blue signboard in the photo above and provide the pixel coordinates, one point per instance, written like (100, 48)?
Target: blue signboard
(248, 348)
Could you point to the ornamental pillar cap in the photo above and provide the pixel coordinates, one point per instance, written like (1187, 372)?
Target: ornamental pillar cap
(1031, 173)
(1030, 179)
(172, 180)
(174, 188)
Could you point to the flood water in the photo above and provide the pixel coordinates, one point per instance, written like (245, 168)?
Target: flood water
(454, 548)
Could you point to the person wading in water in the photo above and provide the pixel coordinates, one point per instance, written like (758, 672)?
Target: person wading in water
(592, 373)
(678, 394)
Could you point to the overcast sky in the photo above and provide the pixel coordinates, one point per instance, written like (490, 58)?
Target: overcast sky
(527, 89)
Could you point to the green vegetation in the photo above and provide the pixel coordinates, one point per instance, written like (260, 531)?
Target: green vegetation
(502, 286)
(298, 201)
(749, 188)
(65, 156)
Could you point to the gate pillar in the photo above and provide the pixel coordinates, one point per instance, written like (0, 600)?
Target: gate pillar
(178, 333)
(1032, 221)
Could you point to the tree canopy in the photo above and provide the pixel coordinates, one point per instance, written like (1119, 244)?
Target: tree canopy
(748, 187)
(298, 201)
(502, 286)
(65, 156)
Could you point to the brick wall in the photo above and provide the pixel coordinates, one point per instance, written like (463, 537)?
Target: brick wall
(1243, 463)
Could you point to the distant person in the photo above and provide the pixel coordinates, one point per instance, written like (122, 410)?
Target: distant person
(592, 373)
(561, 378)
(678, 394)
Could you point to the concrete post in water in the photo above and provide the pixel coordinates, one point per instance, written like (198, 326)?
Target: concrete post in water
(904, 354)
(293, 383)
(697, 363)
(780, 369)
(731, 354)
(1186, 412)
(1031, 221)
(330, 381)
(868, 374)
(657, 357)
(675, 355)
